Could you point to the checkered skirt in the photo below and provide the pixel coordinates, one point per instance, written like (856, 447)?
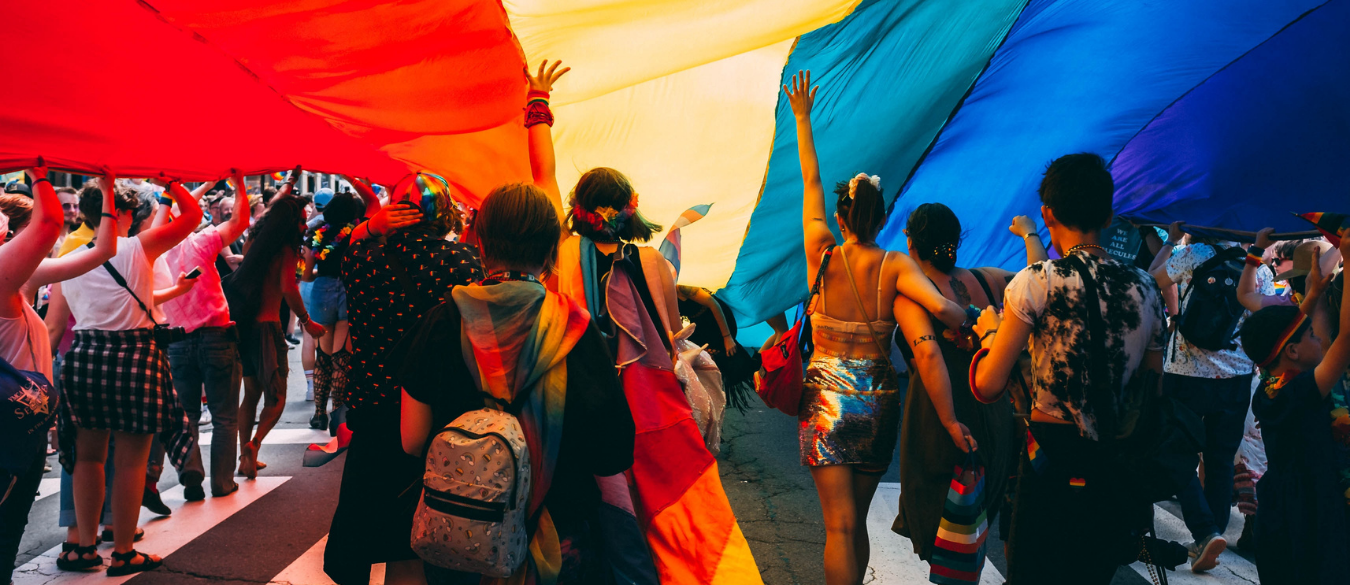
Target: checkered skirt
(119, 381)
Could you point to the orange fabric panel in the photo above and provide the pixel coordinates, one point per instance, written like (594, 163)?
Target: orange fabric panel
(697, 540)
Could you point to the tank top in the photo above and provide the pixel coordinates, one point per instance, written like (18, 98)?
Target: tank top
(24, 342)
(99, 303)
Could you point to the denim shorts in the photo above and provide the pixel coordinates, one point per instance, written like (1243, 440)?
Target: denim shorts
(327, 301)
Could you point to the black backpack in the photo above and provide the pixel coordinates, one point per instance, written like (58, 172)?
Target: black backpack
(1210, 319)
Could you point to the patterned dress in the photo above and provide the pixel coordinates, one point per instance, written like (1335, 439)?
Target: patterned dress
(373, 519)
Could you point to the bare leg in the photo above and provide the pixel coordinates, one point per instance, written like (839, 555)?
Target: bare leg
(91, 447)
(248, 412)
(274, 403)
(128, 484)
(404, 573)
(834, 485)
(864, 487)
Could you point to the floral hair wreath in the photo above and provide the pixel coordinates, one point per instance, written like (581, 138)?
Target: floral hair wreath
(853, 183)
(605, 220)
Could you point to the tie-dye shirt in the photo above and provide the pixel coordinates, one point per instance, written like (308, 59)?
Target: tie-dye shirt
(1049, 296)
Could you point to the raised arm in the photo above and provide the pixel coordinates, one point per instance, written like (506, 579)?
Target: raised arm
(157, 241)
(815, 226)
(105, 244)
(367, 194)
(543, 162)
(21, 255)
(932, 369)
(243, 212)
(1024, 227)
(1337, 358)
(703, 297)
(913, 284)
(1247, 294)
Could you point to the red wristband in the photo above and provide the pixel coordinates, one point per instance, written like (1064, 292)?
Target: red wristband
(974, 365)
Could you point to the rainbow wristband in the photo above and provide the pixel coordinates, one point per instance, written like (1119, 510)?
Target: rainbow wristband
(1254, 255)
(974, 365)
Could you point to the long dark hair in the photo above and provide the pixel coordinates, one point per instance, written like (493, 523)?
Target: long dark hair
(935, 233)
(279, 229)
(861, 207)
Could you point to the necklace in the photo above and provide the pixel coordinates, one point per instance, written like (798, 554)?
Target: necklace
(505, 275)
(1085, 247)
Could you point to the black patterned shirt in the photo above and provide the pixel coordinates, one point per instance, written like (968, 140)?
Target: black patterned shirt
(1049, 296)
(379, 310)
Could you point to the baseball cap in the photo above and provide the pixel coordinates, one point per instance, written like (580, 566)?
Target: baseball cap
(322, 197)
(1302, 260)
(19, 187)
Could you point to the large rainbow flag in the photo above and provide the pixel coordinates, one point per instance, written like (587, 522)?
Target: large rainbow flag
(1228, 113)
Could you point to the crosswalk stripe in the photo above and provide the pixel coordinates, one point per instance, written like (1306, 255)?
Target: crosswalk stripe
(1231, 565)
(893, 560)
(163, 535)
(49, 487)
(281, 437)
(308, 569)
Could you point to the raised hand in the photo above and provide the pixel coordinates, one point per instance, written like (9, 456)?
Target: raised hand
(1022, 226)
(801, 96)
(1175, 233)
(392, 217)
(544, 79)
(39, 172)
(1263, 240)
(1316, 283)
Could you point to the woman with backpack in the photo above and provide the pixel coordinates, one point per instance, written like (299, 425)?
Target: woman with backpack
(510, 344)
(851, 404)
(118, 359)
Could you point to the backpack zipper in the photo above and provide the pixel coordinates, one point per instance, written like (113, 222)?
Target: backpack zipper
(515, 477)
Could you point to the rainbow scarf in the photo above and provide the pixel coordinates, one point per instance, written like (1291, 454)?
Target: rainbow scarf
(515, 337)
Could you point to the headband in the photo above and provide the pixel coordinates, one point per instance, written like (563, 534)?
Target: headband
(1290, 332)
(853, 183)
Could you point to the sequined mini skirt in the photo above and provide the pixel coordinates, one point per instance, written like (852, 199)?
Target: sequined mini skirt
(849, 415)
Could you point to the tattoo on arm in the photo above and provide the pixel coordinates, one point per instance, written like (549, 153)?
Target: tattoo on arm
(923, 338)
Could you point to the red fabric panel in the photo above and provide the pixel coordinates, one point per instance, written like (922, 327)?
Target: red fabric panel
(669, 454)
(204, 86)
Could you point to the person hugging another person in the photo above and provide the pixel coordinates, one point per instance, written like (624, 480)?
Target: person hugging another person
(324, 247)
(850, 413)
(1302, 514)
(509, 343)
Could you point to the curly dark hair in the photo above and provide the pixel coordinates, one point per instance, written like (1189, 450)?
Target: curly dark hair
(935, 234)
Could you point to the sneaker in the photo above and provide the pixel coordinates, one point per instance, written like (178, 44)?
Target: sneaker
(309, 391)
(292, 340)
(151, 501)
(319, 421)
(1205, 553)
(205, 419)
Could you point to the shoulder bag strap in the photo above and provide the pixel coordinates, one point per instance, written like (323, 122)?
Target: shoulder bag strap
(1102, 399)
(819, 284)
(885, 355)
(122, 282)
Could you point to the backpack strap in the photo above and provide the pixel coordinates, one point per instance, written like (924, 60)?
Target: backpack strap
(1099, 395)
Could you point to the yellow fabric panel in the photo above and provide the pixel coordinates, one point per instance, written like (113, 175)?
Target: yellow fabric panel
(679, 96)
(613, 44)
(736, 568)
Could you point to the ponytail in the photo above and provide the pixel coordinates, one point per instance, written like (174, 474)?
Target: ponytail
(861, 207)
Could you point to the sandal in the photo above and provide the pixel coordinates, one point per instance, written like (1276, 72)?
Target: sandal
(80, 560)
(127, 567)
(107, 536)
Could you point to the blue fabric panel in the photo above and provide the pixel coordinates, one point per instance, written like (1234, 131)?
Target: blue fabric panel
(1267, 135)
(889, 74)
(1072, 76)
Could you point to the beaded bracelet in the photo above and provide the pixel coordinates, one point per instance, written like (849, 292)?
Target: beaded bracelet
(42, 180)
(537, 110)
(1254, 255)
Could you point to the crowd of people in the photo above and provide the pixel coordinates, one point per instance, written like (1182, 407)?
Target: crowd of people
(1061, 382)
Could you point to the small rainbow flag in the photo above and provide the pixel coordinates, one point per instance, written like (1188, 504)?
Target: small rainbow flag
(1034, 454)
(278, 176)
(1332, 225)
(1077, 482)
